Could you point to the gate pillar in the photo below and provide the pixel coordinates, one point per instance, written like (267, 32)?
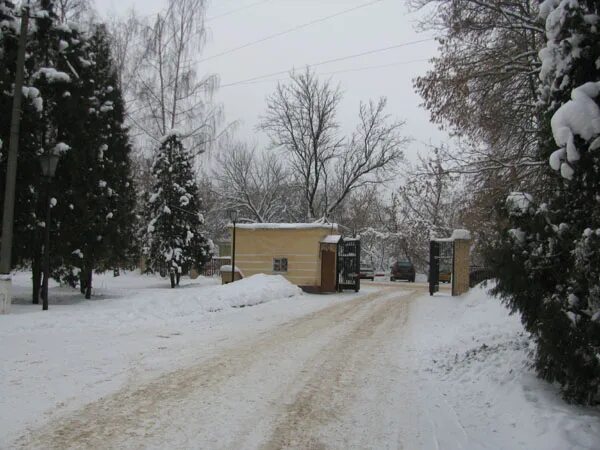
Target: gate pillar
(460, 266)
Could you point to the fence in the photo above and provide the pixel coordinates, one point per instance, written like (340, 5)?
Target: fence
(479, 274)
(212, 268)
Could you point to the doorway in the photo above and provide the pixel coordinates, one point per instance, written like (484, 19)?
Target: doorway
(328, 258)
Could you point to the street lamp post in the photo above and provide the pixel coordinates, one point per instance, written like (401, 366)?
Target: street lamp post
(233, 216)
(11, 170)
(48, 162)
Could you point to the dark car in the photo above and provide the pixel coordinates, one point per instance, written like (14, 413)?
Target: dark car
(403, 270)
(367, 273)
(445, 275)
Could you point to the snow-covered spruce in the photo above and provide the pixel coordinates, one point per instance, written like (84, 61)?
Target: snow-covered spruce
(47, 125)
(174, 235)
(96, 209)
(548, 263)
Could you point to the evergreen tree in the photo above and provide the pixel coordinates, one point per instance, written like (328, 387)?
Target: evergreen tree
(175, 240)
(99, 199)
(72, 105)
(28, 167)
(548, 259)
(44, 88)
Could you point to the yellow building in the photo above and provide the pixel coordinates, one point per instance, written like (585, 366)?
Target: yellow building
(304, 253)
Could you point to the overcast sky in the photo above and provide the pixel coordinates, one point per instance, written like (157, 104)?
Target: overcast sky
(382, 24)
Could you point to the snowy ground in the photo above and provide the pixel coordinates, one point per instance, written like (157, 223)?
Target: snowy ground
(477, 386)
(142, 365)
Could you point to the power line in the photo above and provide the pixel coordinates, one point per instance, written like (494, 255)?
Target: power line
(380, 66)
(290, 30)
(233, 11)
(358, 69)
(329, 61)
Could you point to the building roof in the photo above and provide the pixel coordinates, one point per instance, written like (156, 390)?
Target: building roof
(331, 239)
(457, 235)
(285, 226)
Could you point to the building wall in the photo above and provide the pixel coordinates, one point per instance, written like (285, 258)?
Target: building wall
(224, 248)
(256, 248)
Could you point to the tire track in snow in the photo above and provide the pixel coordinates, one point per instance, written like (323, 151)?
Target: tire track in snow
(315, 418)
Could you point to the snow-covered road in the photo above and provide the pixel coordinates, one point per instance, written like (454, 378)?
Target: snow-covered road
(324, 380)
(144, 366)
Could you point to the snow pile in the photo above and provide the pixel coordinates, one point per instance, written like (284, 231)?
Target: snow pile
(475, 364)
(554, 62)
(33, 94)
(518, 202)
(155, 304)
(564, 49)
(546, 8)
(52, 75)
(580, 116)
(60, 149)
(259, 288)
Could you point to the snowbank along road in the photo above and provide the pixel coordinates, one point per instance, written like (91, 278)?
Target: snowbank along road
(335, 378)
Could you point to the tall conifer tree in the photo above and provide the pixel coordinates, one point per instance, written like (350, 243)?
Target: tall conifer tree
(175, 238)
(97, 225)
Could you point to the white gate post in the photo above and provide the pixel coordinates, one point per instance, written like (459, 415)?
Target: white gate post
(5, 293)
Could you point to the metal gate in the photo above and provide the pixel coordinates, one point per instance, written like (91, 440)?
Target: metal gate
(434, 267)
(441, 261)
(348, 264)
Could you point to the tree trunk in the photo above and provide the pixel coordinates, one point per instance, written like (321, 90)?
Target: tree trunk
(177, 277)
(88, 286)
(172, 274)
(36, 279)
(43, 278)
(82, 280)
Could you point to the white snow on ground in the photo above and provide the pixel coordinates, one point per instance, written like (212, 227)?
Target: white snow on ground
(134, 329)
(405, 368)
(478, 386)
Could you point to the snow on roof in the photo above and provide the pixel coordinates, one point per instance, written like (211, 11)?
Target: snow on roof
(227, 268)
(456, 235)
(461, 235)
(285, 226)
(331, 239)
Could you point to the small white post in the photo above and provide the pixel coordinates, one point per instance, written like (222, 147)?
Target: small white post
(5, 293)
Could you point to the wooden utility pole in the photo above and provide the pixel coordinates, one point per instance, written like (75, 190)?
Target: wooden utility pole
(11, 168)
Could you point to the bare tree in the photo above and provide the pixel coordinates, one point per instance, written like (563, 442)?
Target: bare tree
(128, 49)
(301, 119)
(483, 87)
(362, 214)
(371, 155)
(429, 202)
(254, 184)
(73, 10)
(167, 91)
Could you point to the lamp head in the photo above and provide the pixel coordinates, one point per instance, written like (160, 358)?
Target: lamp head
(48, 162)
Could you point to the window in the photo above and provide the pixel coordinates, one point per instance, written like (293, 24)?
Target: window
(280, 265)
